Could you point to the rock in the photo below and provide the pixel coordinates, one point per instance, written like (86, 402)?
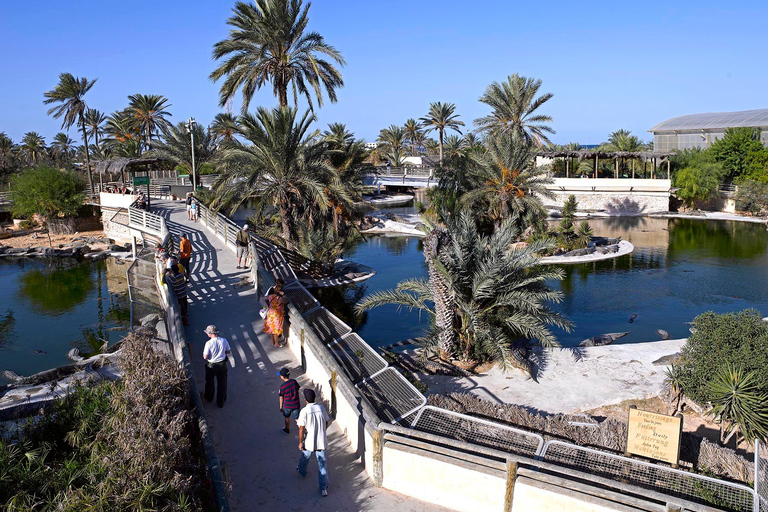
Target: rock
(603, 339)
(151, 318)
(664, 334)
(667, 360)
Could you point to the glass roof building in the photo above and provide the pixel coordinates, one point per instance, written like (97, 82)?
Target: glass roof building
(701, 130)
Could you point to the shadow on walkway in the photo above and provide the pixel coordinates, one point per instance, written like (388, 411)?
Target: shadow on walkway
(259, 459)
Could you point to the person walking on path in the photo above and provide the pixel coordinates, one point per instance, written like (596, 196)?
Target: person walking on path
(273, 322)
(185, 254)
(289, 398)
(215, 353)
(312, 422)
(189, 203)
(175, 278)
(194, 211)
(241, 243)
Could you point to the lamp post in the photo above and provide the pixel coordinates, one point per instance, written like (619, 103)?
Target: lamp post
(191, 129)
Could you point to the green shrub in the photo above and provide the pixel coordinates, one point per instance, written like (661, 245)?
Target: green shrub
(752, 197)
(699, 182)
(736, 339)
(47, 192)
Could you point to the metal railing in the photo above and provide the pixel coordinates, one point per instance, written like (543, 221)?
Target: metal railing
(761, 476)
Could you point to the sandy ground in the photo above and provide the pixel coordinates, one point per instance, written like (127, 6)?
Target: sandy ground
(29, 240)
(570, 381)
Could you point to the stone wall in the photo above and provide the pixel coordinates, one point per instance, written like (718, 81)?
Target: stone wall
(613, 202)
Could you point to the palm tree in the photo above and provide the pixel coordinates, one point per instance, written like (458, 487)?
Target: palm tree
(62, 147)
(492, 299)
(123, 138)
(514, 104)
(148, 114)
(392, 137)
(267, 43)
(70, 93)
(508, 185)
(441, 117)
(623, 140)
(176, 146)
(224, 127)
(7, 153)
(284, 167)
(33, 148)
(337, 135)
(412, 130)
(94, 121)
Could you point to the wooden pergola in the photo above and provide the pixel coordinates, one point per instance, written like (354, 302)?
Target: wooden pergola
(657, 157)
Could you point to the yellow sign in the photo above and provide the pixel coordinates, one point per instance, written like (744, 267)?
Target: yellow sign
(655, 436)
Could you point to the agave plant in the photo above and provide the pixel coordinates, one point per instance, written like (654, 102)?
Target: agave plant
(739, 405)
(485, 302)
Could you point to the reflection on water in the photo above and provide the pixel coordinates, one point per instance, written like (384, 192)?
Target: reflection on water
(54, 305)
(679, 269)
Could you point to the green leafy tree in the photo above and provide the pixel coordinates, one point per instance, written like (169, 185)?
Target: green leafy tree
(148, 115)
(70, 93)
(737, 340)
(737, 150)
(268, 42)
(698, 183)
(495, 300)
(283, 166)
(49, 193)
(740, 405)
(441, 117)
(513, 108)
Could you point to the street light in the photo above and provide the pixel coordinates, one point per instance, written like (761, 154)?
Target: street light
(191, 129)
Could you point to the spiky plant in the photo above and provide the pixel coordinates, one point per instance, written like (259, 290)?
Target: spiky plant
(441, 117)
(583, 234)
(268, 42)
(513, 109)
(70, 93)
(740, 407)
(485, 302)
(224, 127)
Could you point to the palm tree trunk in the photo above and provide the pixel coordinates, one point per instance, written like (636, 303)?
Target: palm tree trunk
(87, 159)
(441, 292)
(282, 93)
(286, 227)
(441, 147)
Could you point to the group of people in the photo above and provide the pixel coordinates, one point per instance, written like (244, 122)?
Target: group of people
(142, 201)
(176, 272)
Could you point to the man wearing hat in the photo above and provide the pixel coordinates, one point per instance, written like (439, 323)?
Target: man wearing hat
(312, 422)
(289, 398)
(241, 243)
(185, 253)
(215, 353)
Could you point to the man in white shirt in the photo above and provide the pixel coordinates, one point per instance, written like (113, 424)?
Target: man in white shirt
(312, 422)
(215, 352)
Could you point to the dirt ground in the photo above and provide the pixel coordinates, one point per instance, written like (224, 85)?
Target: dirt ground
(39, 238)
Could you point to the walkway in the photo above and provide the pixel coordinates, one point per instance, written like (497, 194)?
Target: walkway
(259, 459)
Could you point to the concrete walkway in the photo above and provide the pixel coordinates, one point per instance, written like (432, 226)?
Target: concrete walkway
(259, 459)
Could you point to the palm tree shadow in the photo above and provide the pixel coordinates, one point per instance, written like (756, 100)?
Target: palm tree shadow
(578, 353)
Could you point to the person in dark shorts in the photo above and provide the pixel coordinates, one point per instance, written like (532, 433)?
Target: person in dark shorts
(289, 398)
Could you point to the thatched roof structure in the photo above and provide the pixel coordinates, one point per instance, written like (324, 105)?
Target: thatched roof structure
(583, 154)
(119, 165)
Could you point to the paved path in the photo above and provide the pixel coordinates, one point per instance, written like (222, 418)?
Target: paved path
(259, 459)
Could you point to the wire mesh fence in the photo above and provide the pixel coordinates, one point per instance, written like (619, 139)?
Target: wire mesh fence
(393, 397)
(454, 425)
(761, 475)
(357, 358)
(666, 480)
(326, 325)
(301, 299)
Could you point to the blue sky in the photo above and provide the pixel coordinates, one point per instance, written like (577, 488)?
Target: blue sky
(610, 65)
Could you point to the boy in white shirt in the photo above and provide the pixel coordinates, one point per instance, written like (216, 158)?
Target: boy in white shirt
(312, 422)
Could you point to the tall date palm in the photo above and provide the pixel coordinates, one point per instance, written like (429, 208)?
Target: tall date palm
(513, 108)
(70, 93)
(268, 43)
(94, 122)
(62, 147)
(33, 148)
(441, 117)
(148, 114)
